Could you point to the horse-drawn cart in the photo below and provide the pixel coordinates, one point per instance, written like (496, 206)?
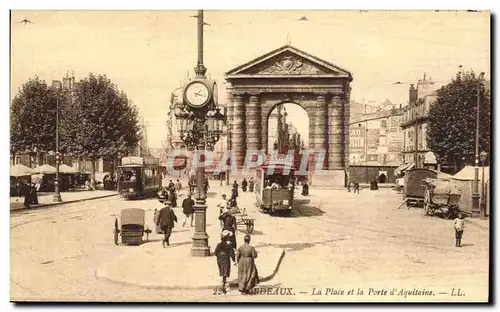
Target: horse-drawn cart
(132, 227)
(414, 187)
(442, 196)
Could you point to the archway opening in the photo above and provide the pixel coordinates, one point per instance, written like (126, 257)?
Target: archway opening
(288, 129)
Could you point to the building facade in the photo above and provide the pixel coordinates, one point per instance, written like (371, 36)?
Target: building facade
(376, 145)
(415, 120)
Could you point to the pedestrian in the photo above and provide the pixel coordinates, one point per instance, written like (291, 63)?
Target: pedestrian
(27, 196)
(251, 184)
(173, 197)
(229, 223)
(187, 209)
(178, 185)
(235, 188)
(305, 189)
(244, 185)
(248, 276)
(166, 221)
(349, 185)
(171, 185)
(356, 187)
(206, 186)
(459, 225)
(232, 201)
(33, 195)
(223, 204)
(224, 253)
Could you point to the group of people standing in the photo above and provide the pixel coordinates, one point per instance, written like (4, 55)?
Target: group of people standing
(244, 257)
(246, 184)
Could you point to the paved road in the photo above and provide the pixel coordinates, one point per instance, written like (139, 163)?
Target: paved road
(335, 240)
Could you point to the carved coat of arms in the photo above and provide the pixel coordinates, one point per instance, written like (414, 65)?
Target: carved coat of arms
(290, 65)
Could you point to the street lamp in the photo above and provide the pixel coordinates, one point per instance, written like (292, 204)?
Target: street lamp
(57, 194)
(475, 190)
(482, 207)
(199, 122)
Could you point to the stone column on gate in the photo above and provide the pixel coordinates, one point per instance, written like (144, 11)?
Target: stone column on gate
(336, 134)
(238, 129)
(254, 130)
(346, 113)
(320, 129)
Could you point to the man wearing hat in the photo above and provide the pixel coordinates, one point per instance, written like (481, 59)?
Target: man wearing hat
(166, 221)
(224, 253)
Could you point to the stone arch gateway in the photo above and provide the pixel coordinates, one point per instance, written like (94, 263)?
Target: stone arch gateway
(288, 74)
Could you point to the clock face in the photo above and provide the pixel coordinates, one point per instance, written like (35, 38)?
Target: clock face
(197, 94)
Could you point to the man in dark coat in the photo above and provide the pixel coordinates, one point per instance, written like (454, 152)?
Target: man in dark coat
(244, 185)
(166, 221)
(187, 209)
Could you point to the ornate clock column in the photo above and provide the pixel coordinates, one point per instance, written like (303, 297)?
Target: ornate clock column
(200, 123)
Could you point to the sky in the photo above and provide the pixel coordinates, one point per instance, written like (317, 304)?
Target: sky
(148, 53)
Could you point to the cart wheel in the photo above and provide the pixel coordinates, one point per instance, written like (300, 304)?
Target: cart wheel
(249, 227)
(116, 231)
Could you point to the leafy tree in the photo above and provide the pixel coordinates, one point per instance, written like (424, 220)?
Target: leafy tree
(32, 118)
(452, 121)
(100, 121)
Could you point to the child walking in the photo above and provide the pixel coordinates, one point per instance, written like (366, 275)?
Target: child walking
(459, 225)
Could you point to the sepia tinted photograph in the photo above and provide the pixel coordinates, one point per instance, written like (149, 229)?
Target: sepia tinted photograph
(334, 156)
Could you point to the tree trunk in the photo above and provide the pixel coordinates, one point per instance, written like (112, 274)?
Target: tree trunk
(92, 175)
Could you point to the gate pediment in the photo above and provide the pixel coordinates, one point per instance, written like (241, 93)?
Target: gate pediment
(288, 61)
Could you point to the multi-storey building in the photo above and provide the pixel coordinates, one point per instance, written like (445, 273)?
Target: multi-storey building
(375, 145)
(415, 119)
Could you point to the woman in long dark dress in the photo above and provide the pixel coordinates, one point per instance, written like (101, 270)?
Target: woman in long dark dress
(248, 276)
(224, 253)
(235, 189)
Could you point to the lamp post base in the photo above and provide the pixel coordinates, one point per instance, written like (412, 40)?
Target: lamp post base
(482, 211)
(475, 205)
(57, 198)
(200, 246)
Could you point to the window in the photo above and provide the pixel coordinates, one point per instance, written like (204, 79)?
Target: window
(383, 123)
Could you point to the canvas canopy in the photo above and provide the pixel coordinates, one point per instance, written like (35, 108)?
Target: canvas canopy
(66, 169)
(20, 170)
(45, 169)
(468, 172)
